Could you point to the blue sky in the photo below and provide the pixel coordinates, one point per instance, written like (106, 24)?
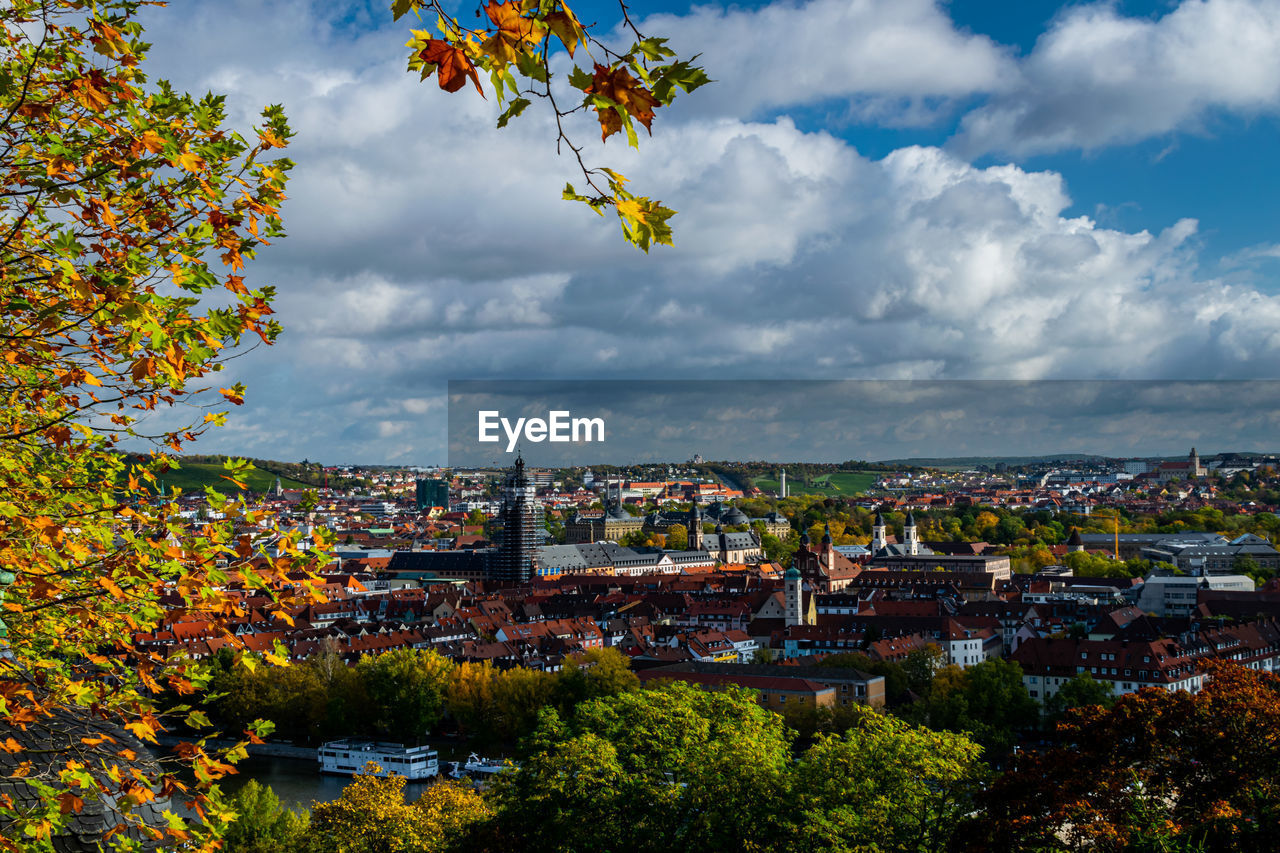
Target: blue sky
(873, 189)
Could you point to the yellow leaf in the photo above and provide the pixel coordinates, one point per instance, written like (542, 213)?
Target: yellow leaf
(191, 162)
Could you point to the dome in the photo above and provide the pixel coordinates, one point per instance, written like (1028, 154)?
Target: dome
(793, 573)
(735, 516)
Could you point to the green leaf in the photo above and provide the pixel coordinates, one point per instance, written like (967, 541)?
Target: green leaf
(579, 79)
(516, 108)
(530, 67)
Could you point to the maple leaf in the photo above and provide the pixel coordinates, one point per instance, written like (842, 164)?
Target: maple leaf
(69, 802)
(191, 161)
(566, 27)
(453, 66)
(618, 86)
(514, 32)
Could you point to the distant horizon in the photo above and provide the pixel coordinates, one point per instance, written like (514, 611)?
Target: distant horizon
(914, 461)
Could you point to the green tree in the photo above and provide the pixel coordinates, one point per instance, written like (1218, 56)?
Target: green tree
(406, 689)
(987, 701)
(1081, 691)
(1249, 567)
(677, 537)
(669, 768)
(261, 824)
(594, 674)
(517, 695)
(920, 666)
(883, 785)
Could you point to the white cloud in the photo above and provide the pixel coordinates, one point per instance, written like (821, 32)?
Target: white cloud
(1097, 78)
(426, 246)
(890, 56)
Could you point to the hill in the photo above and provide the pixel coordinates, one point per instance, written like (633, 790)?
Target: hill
(194, 476)
(838, 483)
(989, 461)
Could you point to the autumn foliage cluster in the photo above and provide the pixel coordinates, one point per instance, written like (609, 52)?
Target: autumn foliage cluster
(127, 212)
(519, 53)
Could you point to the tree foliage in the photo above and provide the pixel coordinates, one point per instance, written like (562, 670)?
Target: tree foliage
(518, 49)
(127, 213)
(261, 824)
(883, 785)
(682, 768)
(1158, 770)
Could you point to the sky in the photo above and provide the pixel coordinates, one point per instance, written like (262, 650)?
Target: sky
(871, 189)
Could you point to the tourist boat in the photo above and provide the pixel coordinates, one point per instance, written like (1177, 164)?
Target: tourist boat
(479, 767)
(349, 757)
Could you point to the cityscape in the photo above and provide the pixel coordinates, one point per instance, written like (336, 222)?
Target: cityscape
(585, 426)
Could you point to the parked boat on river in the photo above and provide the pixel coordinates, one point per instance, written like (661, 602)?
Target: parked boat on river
(348, 757)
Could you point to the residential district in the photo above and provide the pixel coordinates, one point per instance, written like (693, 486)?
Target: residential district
(704, 577)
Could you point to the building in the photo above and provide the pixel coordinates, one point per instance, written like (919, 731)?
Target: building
(431, 492)
(1176, 595)
(1217, 558)
(823, 569)
(997, 566)
(523, 528)
(608, 526)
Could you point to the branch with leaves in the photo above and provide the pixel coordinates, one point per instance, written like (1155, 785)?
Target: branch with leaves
(517, 51)
(127, 213)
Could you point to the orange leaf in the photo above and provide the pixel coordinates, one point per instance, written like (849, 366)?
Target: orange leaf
(566, 27)
(453, 66)
(619, 86)
(69, 802)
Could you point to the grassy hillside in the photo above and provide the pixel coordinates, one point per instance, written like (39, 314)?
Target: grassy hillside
(194, 476)
(838, 483)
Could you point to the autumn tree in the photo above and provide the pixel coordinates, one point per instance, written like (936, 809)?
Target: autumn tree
(517, 48)
(127, 214)
(371, 816)
(1159, 770)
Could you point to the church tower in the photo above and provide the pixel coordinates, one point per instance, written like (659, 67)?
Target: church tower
(522, 528)
(879, 539)
(911, 539)
(695, 528)
(1193, 464)
(795, 597)
(828, 548)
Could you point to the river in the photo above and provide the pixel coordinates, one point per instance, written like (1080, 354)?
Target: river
(299, 783)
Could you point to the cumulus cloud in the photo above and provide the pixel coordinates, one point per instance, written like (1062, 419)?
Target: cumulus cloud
(898, 61)
(1098, 78)
(424, 246)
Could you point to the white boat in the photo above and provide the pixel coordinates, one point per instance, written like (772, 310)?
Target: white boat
(348, 757)
(479, 767)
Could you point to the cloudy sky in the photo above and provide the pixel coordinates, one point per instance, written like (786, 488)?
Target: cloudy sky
(873, 189)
